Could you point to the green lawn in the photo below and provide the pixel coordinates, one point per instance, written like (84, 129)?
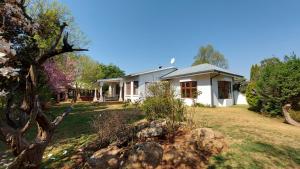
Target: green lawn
(74, 132)
(254, 141)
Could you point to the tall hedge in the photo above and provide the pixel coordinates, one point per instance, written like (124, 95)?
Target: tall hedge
(252, 97)
(278, 84)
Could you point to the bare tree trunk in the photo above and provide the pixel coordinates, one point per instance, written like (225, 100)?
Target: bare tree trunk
(288, 119)
(29, 154)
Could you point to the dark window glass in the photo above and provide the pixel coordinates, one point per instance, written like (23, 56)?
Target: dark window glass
(135, 87)
(224, 89)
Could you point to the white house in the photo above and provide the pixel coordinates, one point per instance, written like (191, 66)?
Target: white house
(214, 83)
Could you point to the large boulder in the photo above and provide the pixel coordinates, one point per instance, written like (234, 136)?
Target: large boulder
(208, 141)
(143, 155)
(157, 128)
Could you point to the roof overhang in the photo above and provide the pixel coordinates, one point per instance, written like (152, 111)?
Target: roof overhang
(111, 80)
(202, 73)
(150, 71)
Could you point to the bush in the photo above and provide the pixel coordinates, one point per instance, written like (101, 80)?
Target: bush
(252, 97)
(108, 125)
(161, 103)
(278, 84)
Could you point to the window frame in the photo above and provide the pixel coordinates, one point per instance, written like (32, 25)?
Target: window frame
(128, 84)
(135, 87)
(224, 86)
(187, 88)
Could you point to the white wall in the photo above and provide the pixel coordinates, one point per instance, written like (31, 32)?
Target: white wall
(203, 85)
(240, 98)
(221, 102)
(142, 79)
(130, 96)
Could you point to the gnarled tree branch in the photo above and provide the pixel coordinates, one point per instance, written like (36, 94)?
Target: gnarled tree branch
(288, 119)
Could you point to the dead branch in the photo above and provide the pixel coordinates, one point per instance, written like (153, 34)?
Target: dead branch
(288, 119)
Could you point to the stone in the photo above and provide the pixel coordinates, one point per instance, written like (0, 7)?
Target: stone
(156, 128)
(159, 123)
(150, 132)
(109, 157)
(143, 155)
(208, 141)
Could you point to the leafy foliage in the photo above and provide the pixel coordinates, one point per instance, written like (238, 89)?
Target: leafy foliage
(254, 72)
(59, 79)
(207, 54)
(111, 71)
(252, 97)
(274, 83)
(161, 103)
(279, 84)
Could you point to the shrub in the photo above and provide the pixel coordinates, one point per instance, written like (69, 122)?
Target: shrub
(161, 103)
(279, 84)
(108, 125)
(252, 97)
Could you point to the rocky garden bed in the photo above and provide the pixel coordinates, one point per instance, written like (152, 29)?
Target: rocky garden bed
(148, 145)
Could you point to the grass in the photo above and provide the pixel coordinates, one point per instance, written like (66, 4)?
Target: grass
(73, 133)
(254, 141)
(295, 114)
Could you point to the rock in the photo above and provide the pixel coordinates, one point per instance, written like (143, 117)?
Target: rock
(156, 128)
(138, 126)
(159, 123)
(208, 141)
(143, 155)
(109, 157)
(150, 132)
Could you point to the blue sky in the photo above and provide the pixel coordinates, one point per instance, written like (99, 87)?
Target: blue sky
(144, 34)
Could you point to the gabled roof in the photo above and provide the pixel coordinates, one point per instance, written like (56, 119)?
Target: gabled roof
(199, 69)
(149, 71)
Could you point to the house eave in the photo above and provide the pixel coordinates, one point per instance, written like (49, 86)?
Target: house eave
(201, 73)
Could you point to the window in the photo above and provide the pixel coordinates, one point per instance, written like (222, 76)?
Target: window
(128, 88)
(188, 89)
(135, 87)
(224, 89)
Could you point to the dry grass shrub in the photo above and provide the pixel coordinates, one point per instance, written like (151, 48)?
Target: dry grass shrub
(112, 125)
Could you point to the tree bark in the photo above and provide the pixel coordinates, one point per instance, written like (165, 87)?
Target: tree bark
(288, 119)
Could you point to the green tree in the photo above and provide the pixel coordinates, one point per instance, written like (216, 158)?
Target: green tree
(252, 97)
(207, 54)
(254, 72)
(89, 70)
(111, 71)
(278, 84)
